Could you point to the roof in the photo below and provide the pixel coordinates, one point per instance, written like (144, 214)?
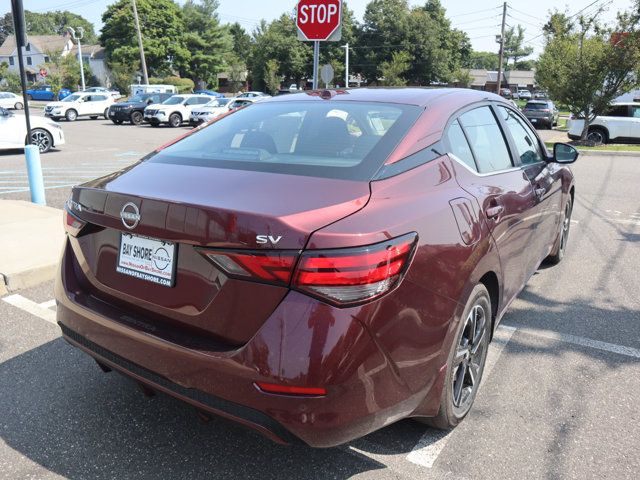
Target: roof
(43, 43)
(94, 51)
(408, 96)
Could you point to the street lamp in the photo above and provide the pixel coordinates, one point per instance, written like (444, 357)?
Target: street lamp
(77, 39)
(346, 68)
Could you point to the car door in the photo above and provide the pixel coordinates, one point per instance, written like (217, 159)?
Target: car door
(83, 105)
(616, 120)
(486, 170)
(101, 102)
(7, 132)
(545, 180)
(634, 123)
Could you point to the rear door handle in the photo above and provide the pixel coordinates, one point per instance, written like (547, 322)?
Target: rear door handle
(494, 212)
(540, 192)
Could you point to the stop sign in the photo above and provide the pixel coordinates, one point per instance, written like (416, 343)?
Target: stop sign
(319, 19)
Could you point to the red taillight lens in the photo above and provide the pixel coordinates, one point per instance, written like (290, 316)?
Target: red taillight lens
(354, 275)
(287, 390)
(272, 267)
(342, 277)
(72, 224)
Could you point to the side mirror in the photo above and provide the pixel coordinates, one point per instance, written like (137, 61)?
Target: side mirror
(149, 101)
(564, 153)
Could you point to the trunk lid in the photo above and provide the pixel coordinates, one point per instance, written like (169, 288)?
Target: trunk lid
(196, 207)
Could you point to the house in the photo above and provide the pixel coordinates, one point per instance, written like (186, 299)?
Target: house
(487, 80)
(37, 51)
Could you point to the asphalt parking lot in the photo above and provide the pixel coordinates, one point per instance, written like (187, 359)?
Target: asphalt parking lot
(559, 399)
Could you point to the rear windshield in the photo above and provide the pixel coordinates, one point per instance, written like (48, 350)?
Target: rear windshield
(536, 106)
(346, 140)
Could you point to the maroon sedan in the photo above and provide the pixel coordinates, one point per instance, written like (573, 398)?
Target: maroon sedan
(320, 265)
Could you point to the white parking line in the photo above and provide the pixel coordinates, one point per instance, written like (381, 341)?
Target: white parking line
(31, 307)
(48, 304)
(426, 451)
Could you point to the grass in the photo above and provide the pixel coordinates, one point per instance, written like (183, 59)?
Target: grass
(605, 148)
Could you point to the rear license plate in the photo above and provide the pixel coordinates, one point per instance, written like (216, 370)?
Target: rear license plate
(147, 259)
(534, 120)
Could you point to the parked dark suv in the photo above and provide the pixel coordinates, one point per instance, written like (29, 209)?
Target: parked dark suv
(541, 113)
(132, 111)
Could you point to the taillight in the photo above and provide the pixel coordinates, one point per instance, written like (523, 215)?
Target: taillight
(271, 267)
(72, 224)
(342, 277)
(354, 275)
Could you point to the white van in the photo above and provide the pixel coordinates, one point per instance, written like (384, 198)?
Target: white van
(142, 89)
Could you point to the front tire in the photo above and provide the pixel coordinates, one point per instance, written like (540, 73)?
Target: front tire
(466, 361)
(42, 139)
(105, 114)
(18, 106)
(71, 115)
(560, 246)
(597, 136)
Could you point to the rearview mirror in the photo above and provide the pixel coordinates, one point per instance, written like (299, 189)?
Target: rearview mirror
(564, 153)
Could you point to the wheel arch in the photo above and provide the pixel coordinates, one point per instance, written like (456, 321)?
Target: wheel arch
(492, 284)
(601, 128)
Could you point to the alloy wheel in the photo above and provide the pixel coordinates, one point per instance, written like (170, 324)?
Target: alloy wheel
(41, 139)
(468, 361)
(566, 223)
(596, 136)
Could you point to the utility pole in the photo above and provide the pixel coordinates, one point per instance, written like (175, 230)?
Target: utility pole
(346, 68)
(143, 62)
(504, 18)
(77, 39)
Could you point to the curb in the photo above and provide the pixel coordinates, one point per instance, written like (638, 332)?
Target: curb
(27, 278)
(612, 153)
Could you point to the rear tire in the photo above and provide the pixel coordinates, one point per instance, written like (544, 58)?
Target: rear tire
(18, 106)
(105, 114)
(71, 115)
(137, 118)
(557, 254)
(175, 120)
(598, 135)
(466, 361)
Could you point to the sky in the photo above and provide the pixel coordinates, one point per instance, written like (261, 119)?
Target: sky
(481, 24)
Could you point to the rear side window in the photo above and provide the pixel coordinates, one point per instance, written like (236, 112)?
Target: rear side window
(618, 111)
(486, 140)
(459, 146)
(346, 140)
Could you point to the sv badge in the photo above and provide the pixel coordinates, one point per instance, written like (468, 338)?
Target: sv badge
(262, 239)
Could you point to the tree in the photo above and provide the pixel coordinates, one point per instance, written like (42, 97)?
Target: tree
(49, 23)
(514, 47)
(482, 60)
(241, 45)
(587, 65)
(271, 77)
(207, 43)
(393, 71)
(162, 27)
(123, 75)
(278, 41)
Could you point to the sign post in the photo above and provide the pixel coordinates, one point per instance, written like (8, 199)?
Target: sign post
(20, 30)
(319, 21)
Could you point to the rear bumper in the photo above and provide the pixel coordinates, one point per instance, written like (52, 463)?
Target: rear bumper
(304, 343)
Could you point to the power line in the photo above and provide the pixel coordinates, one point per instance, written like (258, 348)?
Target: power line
(473, 13)
(477, 20)
(524, 13)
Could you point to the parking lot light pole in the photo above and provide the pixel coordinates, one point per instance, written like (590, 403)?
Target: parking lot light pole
(77, 39)
(346, 65)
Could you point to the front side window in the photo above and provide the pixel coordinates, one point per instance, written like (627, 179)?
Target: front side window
(524, 139)
(175, 100)
(332, 139)
(486, 140)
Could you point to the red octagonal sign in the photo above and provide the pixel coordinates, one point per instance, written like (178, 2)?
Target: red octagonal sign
(319, 19)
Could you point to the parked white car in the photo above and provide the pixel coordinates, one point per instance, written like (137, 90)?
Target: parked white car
(80, 104)
(13, 132)
(253, 95)
(114, 93)
(619, 124)
(11, 100)
(524, 94)
(209, 111)
(243, 102)
(174, 110)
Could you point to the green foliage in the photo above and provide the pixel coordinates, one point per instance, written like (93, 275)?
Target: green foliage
(393, 71)
(236, 71)
(271, 77)
(206, 42)
(123, 75)
(483, 60)
(11, 82)
(514, 47)
(49, 23)
(424, 33)
(278, 41)
(162, 29)
(241, 40)
(583, 68)
(183, 85)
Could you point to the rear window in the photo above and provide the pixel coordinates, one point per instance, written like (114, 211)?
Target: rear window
(536, 106)
(346, 140)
